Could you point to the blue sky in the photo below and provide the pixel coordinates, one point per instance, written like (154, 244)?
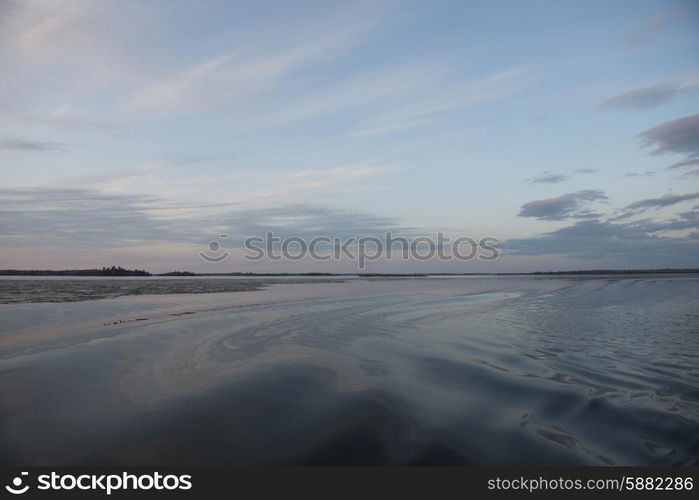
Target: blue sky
(134, 132)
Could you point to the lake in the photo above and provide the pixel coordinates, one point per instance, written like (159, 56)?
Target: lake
(491, 370)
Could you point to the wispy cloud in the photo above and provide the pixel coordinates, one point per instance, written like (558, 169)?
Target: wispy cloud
(663, 201)
(649, 173)
(567, 206)
(385, 129)
(684, 163)
(209, 193)
(228, 77)
(548, 178)
(66, 64)
(651, 29)
(64, 123)
(196, 158)
(302, 185)
(115, 181)
(81, 45)
(31, 146)
(652, 96)
(375, 91)
(447, 97)
(679, 136)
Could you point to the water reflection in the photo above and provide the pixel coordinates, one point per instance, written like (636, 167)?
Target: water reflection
(427, 371)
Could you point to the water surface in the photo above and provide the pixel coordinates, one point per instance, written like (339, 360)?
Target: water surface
(487, 370)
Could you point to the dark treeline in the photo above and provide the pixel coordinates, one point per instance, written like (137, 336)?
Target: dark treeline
(105, 271)
(120, 271)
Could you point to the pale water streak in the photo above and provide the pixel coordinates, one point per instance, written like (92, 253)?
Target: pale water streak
(492, 370)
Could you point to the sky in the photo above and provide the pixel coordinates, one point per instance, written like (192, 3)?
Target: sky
(134, 133)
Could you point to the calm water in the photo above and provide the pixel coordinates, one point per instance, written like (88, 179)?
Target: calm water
(496, 370)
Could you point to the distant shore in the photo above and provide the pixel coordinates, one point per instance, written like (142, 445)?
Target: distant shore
(105, 271)
(117, 271)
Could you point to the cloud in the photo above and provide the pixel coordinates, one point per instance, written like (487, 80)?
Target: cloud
(386, 129)
(684, 163)
(649, 173)
(81, 216)
(195, 158)
(65, 123)
(75, 58)
(83, 228)
(679, 136)
(207, 192)
(664, 201)
(691, 173)
(651, 29)
(231, 76)
(444, 97)
(625, 245)
(398, 98)
(548, 178)
(367, 90)
(93, 219)
(119, 180)
(308, 221)
(649, 97)
(681, 222)
(310, 184)
(69, 48)
(570, 205)
(35, 146)
(339, 174)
